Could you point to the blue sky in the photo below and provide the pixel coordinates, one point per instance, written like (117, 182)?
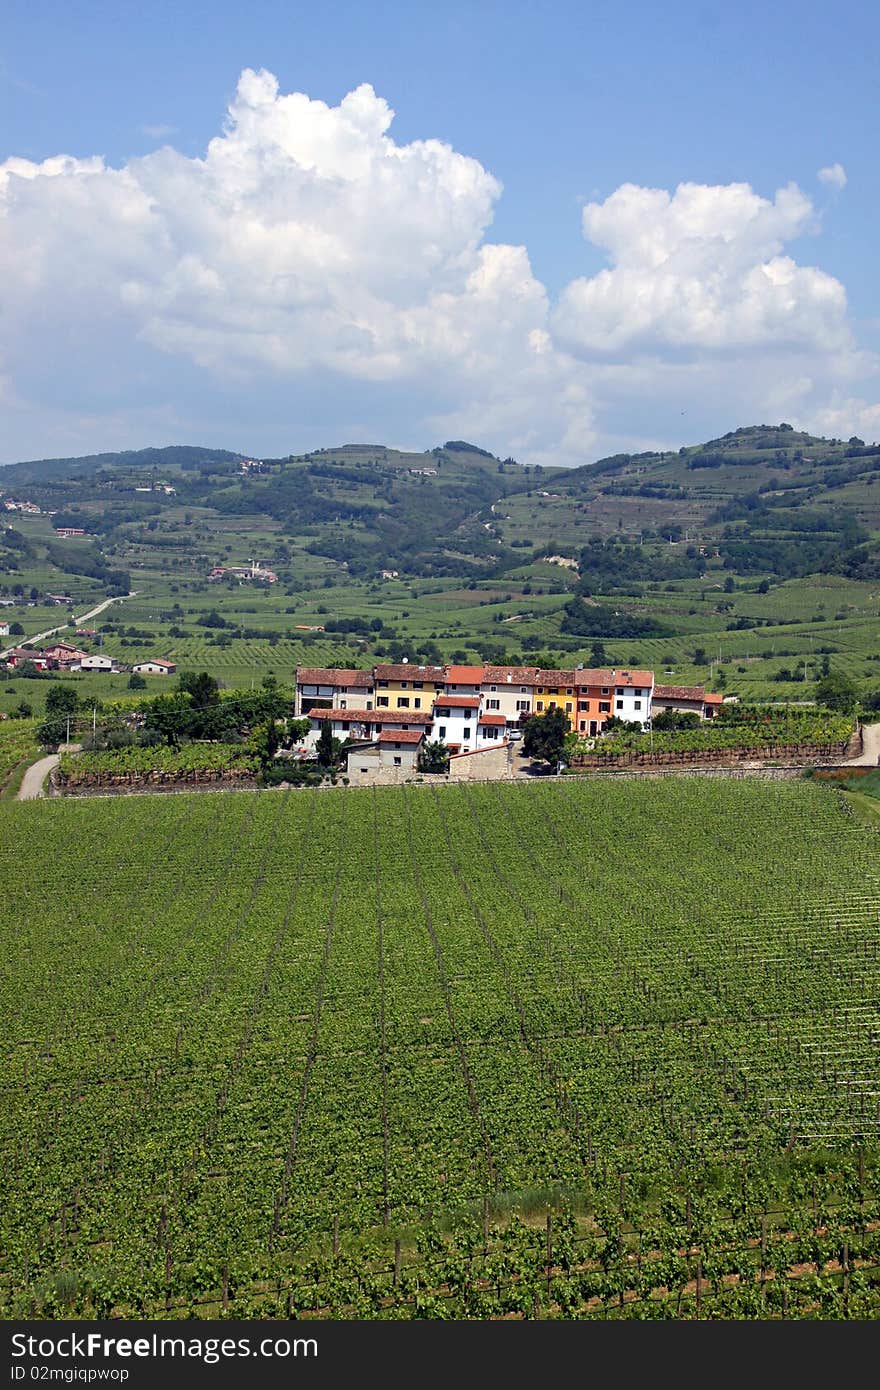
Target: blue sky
(110, 341)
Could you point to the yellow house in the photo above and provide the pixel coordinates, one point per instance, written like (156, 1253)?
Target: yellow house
(555, 690)
(408, 686)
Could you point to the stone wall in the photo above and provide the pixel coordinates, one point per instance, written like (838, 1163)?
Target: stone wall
(797, 754)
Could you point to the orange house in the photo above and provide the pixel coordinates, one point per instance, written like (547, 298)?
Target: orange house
(604, 692)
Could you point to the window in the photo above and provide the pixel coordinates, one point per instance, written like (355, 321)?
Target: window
(584, 705)
(539, 705)
(604, 689)
(523, 705)
(403, 702)
(342, 704)
(418, 685)
(620, 690)
(604, 706)
(382, 701)
(493, 704)
(369, 704)
(417, 704)
(637, 704)
(491, 731)
(466, 731)
(568, 706)
(404, 685)
(383, 685)
(569, 690)
(397, 762)
(620, 704)
(493, 688)
(441, 732)
(582, 725)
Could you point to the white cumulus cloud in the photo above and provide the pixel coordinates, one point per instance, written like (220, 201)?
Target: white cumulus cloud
(700, 270)
(832, 174)
(308, 275)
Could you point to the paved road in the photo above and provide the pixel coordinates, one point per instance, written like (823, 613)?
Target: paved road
(84, 617)
(870, 756)
(32, 782)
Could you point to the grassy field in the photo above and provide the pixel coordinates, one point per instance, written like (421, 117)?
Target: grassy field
(253, 1040)
(518, 619)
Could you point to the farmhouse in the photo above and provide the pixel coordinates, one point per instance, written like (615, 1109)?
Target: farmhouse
(363, 724)
(392, 757)
(318, 687)
(685, 699)
(64, 655)
(98, 662)
(155, 667)
(4, 629)
(19, 655)
(66, 532)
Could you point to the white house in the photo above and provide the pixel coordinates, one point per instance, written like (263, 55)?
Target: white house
(99, 662)
(509, 691)
(4, 629)
(456, 721)
(156, 667)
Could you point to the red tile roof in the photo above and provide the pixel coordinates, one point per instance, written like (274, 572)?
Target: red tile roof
(604, 675)
(713, 698)
(464, 675)
(370, 716)
(519, 675)
(680, 692)
(408, 671)
(401, 735)
(457, 702)
(492, 719)
(554, 678)
(323, 675)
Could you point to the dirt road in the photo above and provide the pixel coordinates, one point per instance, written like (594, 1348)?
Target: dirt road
(33, 780)
(84, 617)
(870, 756)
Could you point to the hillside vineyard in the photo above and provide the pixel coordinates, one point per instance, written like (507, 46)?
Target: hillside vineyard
(320, 1053)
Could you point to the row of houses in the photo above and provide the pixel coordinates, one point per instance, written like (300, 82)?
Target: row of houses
(63, 656)
(474, 707)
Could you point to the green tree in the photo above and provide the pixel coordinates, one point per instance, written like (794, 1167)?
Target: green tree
(327, 747)
(434, 757)
(203, 689)
(699, 656)
(60, 716)
(544, 736)
(597, 654)
(136, 682)
(170, 716)
(836, 691)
